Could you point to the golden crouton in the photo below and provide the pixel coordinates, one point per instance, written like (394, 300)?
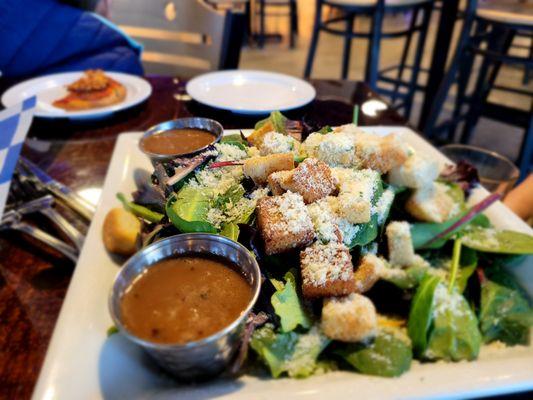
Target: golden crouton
(350, 318)
(121, 231)
(354, 209)
(327, 270)
(312, 179)
(416, 172)
(256, 137)
(277, 182)
(259, 168)
(284, 223)
(432, 204)
(368, 272)
(381, 153)
(401, 251)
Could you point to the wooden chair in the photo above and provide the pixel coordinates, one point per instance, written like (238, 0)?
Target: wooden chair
(292, 14)
(181, 37)
(488, 32)
(403, 89)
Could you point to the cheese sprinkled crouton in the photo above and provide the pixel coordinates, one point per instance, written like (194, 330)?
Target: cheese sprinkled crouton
(275, 142)
(312, 179)
(368, 272)
(351, 318)
(277, 182)
(401, 251)
(121, 231)
(432, 204)
(284, 222)
(325, 221)
(356, 194)
(416, 172)
(327, 270)
(259, 168)
(335, 149)
(381, 153)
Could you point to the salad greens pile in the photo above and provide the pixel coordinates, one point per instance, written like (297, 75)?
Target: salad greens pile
(456, 297)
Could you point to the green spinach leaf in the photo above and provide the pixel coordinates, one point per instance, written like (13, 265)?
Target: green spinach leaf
(454, 334)
(420, 315)
(505, 314)
(498, 241)
(388, 355)
(230, 230)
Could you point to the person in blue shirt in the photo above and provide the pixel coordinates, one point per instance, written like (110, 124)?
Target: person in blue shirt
(39, 37)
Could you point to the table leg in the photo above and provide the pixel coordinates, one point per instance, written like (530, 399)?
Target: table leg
(448, 15)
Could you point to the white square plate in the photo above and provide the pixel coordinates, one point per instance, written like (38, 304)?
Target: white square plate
(82, 363)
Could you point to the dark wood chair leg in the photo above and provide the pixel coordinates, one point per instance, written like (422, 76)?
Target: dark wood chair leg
(374, 42)
(525, 158)
(499, 41)
(466, 64)
(430, 121)
(314, 40)
(405, 53)
(350, 17)
(293, 16)
(417, 61)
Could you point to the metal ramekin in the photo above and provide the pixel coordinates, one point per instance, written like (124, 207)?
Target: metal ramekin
(206, 357)
(205, 124)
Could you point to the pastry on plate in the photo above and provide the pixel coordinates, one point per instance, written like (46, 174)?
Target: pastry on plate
(93, 90)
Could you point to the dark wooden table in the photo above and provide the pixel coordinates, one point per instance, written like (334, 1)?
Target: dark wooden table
(34, 279)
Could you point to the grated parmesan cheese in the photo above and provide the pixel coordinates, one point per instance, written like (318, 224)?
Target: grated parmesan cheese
(275, 142)
(323, 263)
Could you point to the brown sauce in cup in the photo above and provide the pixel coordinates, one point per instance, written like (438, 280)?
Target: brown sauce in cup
(177, 141)
(184, 299)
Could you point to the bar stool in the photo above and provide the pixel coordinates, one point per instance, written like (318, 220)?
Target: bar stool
(292, 14)
(376, 9)
(487, 32)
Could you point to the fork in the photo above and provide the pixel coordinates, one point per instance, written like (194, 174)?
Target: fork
(12, 220)
(23, 189)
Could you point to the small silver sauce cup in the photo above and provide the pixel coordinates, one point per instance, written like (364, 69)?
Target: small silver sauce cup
(207, 357)
(204, 124)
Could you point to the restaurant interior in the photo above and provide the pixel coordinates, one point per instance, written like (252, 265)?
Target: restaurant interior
(208, 198)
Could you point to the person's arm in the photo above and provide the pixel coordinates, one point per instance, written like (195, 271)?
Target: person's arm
(520, 199)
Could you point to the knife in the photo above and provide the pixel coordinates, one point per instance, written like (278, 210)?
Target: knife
(62, 192)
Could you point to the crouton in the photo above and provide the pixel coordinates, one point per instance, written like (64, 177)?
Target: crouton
(274, 143)
(277, 182)
(256, 137)
(432, 204)
(381, 153)
(401, 251)
(325, 220)
(368, 272)
(312, 179)
(121, 231)
(284, 223)
(350, 318)
(259, 168)
(357, 190)
(416, 172)
(327, 270)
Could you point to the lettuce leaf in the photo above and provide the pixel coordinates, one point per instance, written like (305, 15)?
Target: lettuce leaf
(290, 352)
(287, 304)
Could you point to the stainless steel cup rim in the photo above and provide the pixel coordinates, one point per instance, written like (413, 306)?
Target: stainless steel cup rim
(501, 157)
(207, 124)
(189, 345)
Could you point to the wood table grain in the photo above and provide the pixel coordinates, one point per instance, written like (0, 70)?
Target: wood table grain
(34, 279)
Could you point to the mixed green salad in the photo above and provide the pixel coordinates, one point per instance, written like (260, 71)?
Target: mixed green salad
(454, 296)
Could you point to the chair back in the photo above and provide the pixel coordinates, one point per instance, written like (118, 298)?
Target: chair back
(181, 37)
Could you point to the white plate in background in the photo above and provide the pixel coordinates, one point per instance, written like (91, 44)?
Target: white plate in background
(250, 92)
(83, 363)
(50, 88)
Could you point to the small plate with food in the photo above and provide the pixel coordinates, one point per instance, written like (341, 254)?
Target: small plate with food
(347, 258)
(87, 94)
